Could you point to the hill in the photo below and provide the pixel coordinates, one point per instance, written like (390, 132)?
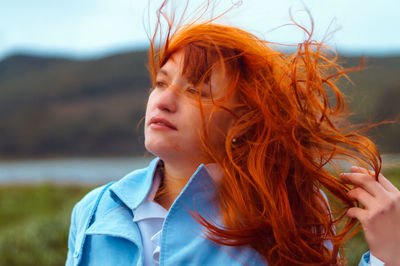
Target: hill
(55, 106)
(374, 96)
(67, 107)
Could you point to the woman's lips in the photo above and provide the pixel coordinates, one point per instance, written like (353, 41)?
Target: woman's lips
(161, 123)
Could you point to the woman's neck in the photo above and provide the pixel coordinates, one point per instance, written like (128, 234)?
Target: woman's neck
(175, 179)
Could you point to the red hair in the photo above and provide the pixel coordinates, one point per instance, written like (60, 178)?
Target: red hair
(291, 125)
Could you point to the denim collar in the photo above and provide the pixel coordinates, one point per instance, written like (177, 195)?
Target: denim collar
(133, 189)
(199, 195)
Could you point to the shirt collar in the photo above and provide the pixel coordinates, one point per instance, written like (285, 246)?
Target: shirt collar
(133, 189)
(149, 209)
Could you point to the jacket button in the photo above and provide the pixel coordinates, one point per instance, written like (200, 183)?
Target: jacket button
(76, 253)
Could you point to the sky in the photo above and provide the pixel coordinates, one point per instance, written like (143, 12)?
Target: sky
(94, 28)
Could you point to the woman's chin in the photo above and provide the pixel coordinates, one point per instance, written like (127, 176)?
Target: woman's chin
(172, 155)
(161, 150)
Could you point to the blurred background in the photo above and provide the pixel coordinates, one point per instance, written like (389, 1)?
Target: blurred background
(73, 90)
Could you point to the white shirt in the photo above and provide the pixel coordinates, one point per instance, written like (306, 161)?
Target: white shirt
(374, 261)
(150, 216)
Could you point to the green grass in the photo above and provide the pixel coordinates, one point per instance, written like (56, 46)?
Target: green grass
(34, 222)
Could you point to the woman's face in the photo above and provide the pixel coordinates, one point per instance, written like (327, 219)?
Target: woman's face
(173, 123)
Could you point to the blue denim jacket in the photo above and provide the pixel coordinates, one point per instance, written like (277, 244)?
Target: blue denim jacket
(102, 231)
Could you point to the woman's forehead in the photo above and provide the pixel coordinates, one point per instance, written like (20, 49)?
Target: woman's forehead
(174, 63)
(178, 63)
(174, 67)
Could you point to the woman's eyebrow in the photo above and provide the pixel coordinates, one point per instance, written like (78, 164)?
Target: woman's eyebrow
(163, 72)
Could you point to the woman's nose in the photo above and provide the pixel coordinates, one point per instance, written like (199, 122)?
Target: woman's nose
(168, 99)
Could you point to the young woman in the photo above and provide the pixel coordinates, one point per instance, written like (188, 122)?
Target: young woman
(242, 136)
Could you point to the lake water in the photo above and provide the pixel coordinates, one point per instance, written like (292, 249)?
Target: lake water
(83, 170)
(69, 170)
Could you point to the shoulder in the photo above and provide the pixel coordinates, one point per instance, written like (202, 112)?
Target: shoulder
(127, 192)
(85, 207)
(89, 199)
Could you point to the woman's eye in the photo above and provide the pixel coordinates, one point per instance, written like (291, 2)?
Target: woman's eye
(195, 92)
(160, 84)
(192, 91)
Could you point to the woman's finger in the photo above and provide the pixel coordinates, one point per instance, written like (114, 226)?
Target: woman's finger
(356, 169)
(363, 197)
(387, 184)
(381, 179)
(357, 213)
(364, 181)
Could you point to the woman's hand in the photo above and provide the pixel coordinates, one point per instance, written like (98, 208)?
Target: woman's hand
(380, 216)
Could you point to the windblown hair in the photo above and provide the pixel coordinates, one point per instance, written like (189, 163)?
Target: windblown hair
(290, 125)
